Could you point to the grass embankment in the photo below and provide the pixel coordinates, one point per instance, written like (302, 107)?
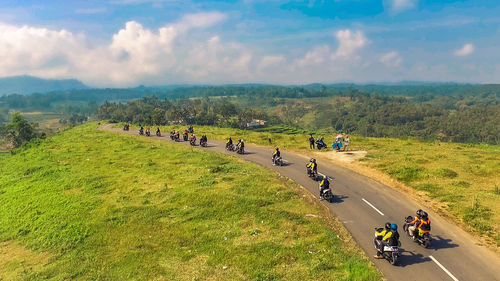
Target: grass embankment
(88, 204)
(462, 178)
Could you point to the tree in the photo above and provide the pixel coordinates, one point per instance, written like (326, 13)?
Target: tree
(159, 116)
(18, 131)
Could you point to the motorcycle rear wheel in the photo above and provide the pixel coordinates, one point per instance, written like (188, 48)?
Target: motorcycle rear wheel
(427, 244)
(394, 259)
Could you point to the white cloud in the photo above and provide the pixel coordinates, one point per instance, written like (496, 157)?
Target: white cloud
(134, 55)
(402, 5)
(318, 55)
(391, 59)
(349, 43)
(466, 50)
(186, 51)
(271, 61)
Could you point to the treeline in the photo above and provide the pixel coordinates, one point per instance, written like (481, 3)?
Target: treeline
(448, 112)
(78, 101)
(202, 111)
(412, 89)
(472, 119)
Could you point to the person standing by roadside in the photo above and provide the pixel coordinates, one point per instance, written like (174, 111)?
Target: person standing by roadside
(311, 142)
(346, 142)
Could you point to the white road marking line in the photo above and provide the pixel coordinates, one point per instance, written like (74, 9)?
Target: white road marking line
(443, 268)
(370, 204)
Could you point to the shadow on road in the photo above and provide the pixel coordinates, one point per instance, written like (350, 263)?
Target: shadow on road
(441, 243)
(339, 198)
(410, 258)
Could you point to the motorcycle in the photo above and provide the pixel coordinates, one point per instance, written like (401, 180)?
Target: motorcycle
(229, 147)
(320, 145)
(311, 173)
(390, 253)
(203, 143)
(141, 132)
(192, 141)
(278, 161)
(240, 150)
(158, 134)
(126, 127)
(327, 194)
(148, 133)
(172, 137)
(423, 238)
(185, 137)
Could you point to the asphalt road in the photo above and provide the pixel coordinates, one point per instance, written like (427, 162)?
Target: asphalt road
(362, 204)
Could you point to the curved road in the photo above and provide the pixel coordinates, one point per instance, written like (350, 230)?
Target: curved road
(362, 204)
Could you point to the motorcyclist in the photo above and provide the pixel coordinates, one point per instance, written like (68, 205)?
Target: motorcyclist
(240, 145)
(148, 131)
(203, 139)
(193, 138)
(321, 142)
(424, 227)
(276, 155)
(229, 142)
(414, 223)
(323, 185)
(390, 238)
(313, 166)
(177, 135)
(158, 131)
(141, 130)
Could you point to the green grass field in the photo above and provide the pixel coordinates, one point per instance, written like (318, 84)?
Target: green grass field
(93, 205)
(463, 178)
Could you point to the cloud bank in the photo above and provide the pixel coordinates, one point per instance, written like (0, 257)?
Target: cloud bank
(190, 51)
(181, 52)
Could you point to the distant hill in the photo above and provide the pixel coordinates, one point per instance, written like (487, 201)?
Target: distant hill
(25, 85)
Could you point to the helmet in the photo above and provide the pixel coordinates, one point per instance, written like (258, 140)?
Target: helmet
(424, 215)
(314, 160)
(325, 177)
(419, 213)
(311, 160)
(387, 225)
(394, 227)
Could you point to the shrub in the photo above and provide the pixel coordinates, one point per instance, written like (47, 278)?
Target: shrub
(446, 173)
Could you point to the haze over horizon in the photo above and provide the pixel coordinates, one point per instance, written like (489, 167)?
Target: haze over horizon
(123, 43)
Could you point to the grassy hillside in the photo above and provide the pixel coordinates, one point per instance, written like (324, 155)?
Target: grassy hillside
(463, 178)
(93, 205)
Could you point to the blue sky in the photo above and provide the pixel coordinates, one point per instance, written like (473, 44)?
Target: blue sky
(156, 42)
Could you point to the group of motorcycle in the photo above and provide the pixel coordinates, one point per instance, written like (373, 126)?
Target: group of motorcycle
(390, 253)
(143, 132)
(174, 135)
(393, 253)
(325, 193)
(238, 148)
